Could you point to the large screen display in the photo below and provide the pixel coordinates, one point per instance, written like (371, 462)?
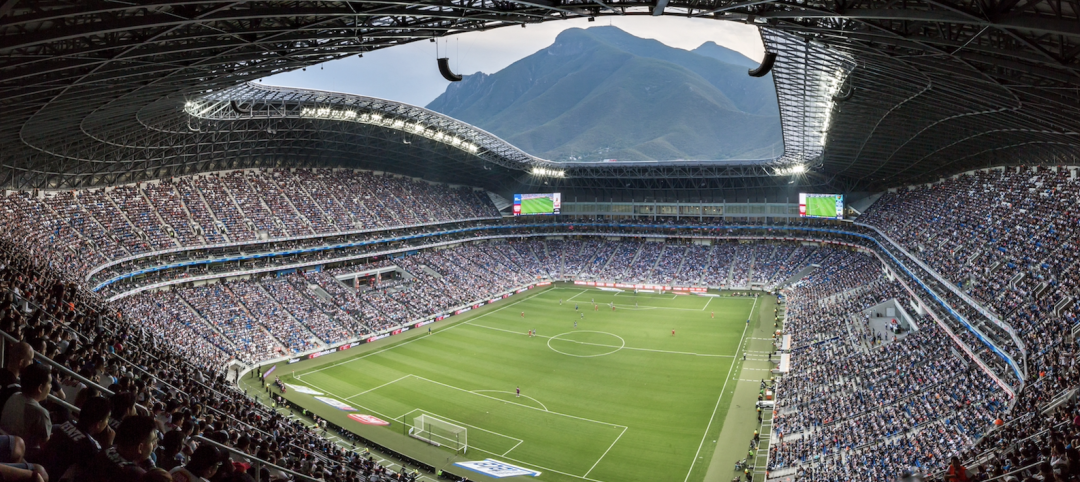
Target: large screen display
(821, 205)
(533, 204)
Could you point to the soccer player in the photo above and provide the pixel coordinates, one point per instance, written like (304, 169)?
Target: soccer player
(582, 315)
(575, 323)
(575, 307)
(712, 314)
(523, 314)
(672, 332)
(519, 391)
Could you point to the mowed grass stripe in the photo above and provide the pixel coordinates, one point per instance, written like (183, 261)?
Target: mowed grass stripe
(537, 205)
(663, 399)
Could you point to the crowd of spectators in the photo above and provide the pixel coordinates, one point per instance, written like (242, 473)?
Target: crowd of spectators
(268, 316)
(854, 406)
(101, 225)
(1007, 238)
(868, 407)
(146, 407)
(668, 264)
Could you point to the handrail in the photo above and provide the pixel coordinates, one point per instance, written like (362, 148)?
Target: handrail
(1020, 371)
(1021, 469)
(386, 252)
(108, 392)
(256, 462)
(65, 370)
(240, 244)
(60, 401)
(970, 301)
(214, 409)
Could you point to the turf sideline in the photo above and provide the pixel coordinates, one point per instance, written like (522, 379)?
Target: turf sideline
(724, 388)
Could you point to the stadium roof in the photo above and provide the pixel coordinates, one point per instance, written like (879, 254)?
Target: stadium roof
(873, 94)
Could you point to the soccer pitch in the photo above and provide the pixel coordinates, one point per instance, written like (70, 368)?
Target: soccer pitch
(616, 398)
(537, 205)
(821, 206)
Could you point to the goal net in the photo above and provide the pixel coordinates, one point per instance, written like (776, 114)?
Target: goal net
(440, 433)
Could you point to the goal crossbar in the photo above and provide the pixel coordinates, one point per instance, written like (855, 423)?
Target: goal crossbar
(439, 432)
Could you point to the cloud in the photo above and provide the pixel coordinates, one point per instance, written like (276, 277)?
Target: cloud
(408, 73)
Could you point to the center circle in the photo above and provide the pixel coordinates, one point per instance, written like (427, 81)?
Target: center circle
(586, 342)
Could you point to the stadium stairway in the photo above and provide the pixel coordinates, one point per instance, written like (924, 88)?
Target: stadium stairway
(213, 216)
(800, 275)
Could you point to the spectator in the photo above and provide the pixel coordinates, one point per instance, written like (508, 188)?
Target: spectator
(956, 472)
(170, 454)
(129, 458)
(204, 463)
(74, 445)
(23, 415)
(20, 357)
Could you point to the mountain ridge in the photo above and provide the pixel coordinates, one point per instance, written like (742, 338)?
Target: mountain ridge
(602, 93)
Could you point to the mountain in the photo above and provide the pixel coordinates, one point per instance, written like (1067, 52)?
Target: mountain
(601, 93)
(725, 55)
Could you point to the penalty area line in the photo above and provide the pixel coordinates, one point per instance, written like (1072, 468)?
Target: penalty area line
(575, 296)
(513, 393)
(530, 407)
(380, 386)
(605, 453)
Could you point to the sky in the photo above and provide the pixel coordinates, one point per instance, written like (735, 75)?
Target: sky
(409, 73)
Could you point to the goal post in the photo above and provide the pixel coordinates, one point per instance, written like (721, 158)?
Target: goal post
(439, 432)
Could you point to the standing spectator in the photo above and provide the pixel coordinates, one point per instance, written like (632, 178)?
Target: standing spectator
(957, 472)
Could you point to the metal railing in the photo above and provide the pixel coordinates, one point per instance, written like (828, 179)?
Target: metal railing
(105, 391)
(61, 368)
(257, 463)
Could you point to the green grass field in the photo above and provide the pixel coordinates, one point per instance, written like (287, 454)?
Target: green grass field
(821, 206)
(617, 398)
(537, 205)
